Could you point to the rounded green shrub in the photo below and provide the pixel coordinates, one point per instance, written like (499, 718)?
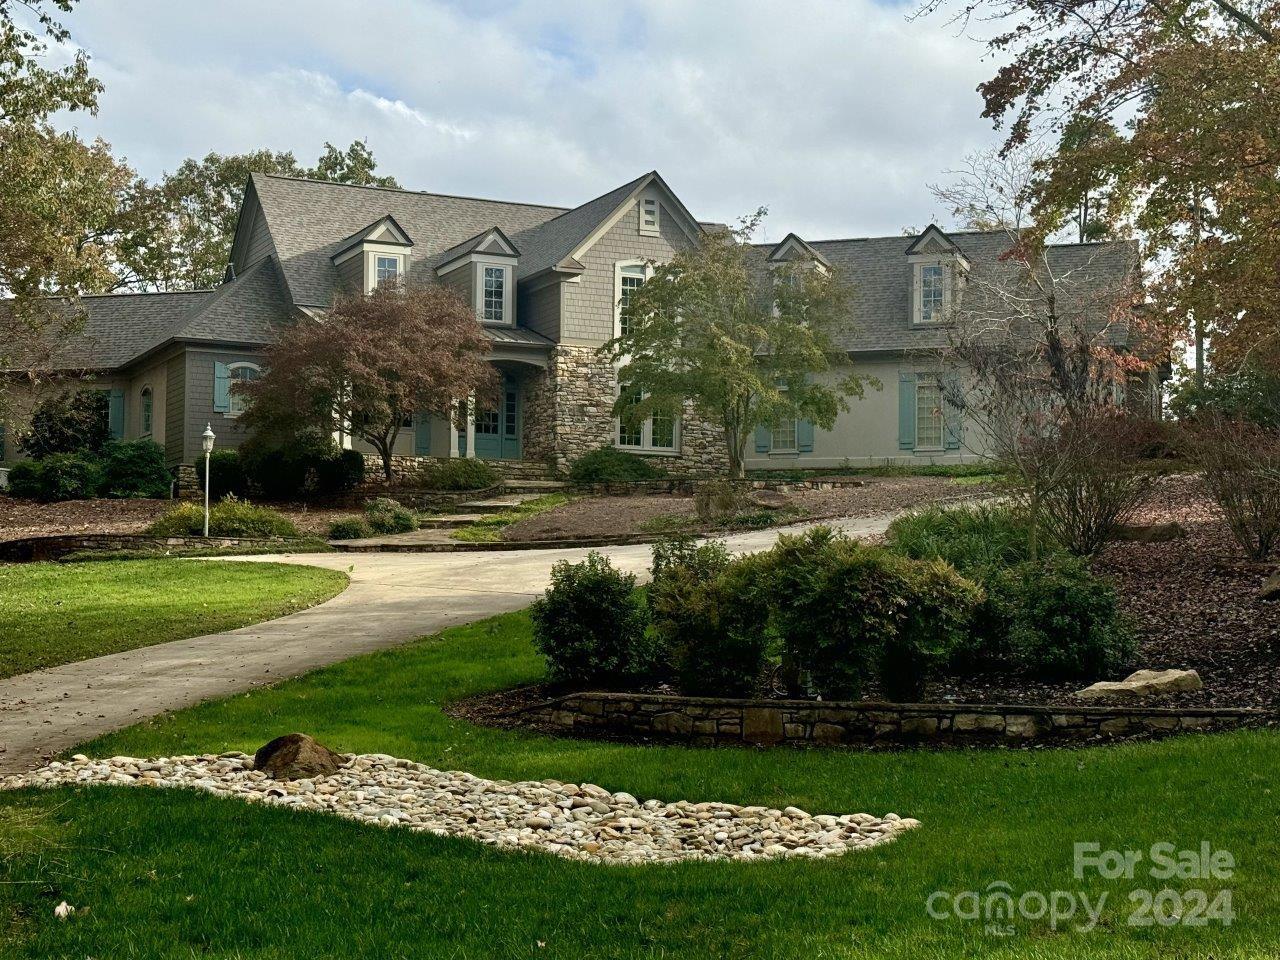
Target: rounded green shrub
(350, 528)
(460, 473)
(611, 465)
(24, 479)
(136, 469)
(967, 537)
(227, 475)
(1068, 625)
(227, 518)
(306, 465)
(936, 618)
(385, 515)
(590, 626)
(59, 476)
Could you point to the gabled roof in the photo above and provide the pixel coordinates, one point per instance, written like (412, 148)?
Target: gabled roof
(932, 236)
(310, 220)
(492, 241)
(395, 235)
(247, 310)
(793, 242)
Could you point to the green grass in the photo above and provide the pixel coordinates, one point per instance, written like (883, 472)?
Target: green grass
(179, 874)
(489, 529)
(304, 545)
(52, 613)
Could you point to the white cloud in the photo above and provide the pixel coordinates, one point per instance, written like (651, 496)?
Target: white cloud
(834, 113)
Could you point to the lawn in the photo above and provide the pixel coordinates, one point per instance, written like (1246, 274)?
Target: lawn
(179, 874)
(56, 613)
(489, 528)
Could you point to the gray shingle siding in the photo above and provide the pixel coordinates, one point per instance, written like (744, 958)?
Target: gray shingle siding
(199, 401)
(351, 274)
(175, 408)
(462, 281)
(258, 245)
(589, 303)
(539, 310)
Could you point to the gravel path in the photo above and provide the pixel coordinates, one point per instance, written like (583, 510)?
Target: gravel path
(578, 821)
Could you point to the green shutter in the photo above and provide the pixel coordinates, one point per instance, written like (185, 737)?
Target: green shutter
(115, 414)
(907, 411)
(764, 438)
(221, 387)
(953, 416)
(421, 435)
(804, 436)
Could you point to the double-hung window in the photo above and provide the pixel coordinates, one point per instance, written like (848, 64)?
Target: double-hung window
(148, 409)
(237, 402)
(933, 285)
(493, 298)
(658, 432)
(930, 425)
(630, 278)
(386, 268)
(783, 437)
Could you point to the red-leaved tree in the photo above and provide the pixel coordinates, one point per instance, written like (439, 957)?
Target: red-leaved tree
(370, 364)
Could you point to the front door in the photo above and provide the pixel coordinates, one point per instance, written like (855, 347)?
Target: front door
(498, 430)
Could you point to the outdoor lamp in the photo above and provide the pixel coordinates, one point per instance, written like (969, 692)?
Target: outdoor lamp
(206, 441)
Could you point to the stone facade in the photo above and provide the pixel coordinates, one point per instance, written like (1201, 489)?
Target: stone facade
(34, 549)
(806, 723)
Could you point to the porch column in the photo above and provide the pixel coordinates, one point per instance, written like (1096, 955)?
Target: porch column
(453, 430)
(471, 426)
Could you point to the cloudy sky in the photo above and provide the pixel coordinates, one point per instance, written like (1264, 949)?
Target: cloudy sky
(835, 114)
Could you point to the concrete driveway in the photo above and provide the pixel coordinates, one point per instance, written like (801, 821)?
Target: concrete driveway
(392, 598)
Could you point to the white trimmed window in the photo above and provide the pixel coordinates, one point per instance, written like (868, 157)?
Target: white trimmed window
(659, 432)
(493, 295)
(783, 437)
(386, 267)
(630, 279)
(147, 410)
(237, 402)
(929, 414)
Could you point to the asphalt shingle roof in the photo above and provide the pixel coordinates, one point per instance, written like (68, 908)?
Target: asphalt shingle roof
(309, 220)
(246, 310)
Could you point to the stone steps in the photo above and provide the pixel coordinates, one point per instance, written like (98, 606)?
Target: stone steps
(497, 504)
(540, 487)
(449, 521)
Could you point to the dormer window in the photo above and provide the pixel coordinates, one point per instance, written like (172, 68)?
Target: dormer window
(387, 268)
(494, 294)
(933, 296)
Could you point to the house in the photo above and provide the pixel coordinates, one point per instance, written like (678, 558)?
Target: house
(546, 283)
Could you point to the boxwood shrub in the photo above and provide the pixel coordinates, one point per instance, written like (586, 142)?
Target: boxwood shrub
(611, 465)
(227, 518)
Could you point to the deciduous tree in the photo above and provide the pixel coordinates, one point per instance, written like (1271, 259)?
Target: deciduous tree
(371, 364)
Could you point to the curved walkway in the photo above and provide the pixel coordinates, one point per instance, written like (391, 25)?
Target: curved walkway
(392, 598)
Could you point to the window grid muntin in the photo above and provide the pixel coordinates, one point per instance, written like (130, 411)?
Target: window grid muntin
(929, 415)
(494, 301)
(932, 292)
(784, 436)
(386, 268)
(237, 402)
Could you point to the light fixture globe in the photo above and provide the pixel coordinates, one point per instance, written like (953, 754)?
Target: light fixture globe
(207, 438)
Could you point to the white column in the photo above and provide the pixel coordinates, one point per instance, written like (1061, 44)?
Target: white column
(453, 429)
(471, 425)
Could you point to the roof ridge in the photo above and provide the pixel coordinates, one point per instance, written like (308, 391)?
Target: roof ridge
(138, 293)
(587, 203)
(415, 193)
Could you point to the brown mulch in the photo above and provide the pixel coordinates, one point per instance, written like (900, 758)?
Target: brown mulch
(26, 518)
(617, 516)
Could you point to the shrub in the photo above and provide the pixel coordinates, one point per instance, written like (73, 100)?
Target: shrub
(718, 500)
(936, 617)
(309, 464)
(136, 469)
(227, 518)
(1241, 471)
(74, 422)
(350, 528)
(967, 537)
(460, 473)
(387, 516)
(590, 626)
(227, 475)
(1067, 625)
(986, 648)
(717, 638)
(611, 465)
(59, 476)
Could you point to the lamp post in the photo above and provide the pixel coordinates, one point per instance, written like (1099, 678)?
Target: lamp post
(206, 441)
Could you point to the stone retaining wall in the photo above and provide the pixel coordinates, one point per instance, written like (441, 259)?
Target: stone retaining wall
(30, 549)
(706, 720)
(689, 485)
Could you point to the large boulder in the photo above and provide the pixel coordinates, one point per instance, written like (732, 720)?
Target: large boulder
(1143, 683)
(295, 756)
(1148, 532)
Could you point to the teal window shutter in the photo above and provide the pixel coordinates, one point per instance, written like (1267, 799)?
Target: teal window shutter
(804, 436)
(952, 414)
(907, 411)
(221, 387)
(115, 414)
(764, 438)
(421, 435)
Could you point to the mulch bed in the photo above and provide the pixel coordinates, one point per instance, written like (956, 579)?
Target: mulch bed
(626, 515)
(26, 518)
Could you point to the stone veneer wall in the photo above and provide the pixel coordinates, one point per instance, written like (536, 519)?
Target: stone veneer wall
(31, 549)
(581, 389)
(803, 722)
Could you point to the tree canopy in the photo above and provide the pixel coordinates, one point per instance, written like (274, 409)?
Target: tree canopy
(742, 345)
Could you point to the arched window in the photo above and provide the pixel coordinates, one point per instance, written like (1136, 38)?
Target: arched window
(237, 402)
(146, 404)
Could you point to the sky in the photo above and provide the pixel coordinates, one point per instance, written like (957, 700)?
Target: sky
(834, 115)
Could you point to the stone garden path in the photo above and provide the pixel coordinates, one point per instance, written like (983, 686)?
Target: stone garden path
(392, 598)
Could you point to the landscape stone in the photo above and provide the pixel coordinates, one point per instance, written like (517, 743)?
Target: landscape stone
(1270, 587)
(1143, 683)
(296, 756)
(1149, 532)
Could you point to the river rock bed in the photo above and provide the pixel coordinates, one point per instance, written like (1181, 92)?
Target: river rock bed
(579, 821)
